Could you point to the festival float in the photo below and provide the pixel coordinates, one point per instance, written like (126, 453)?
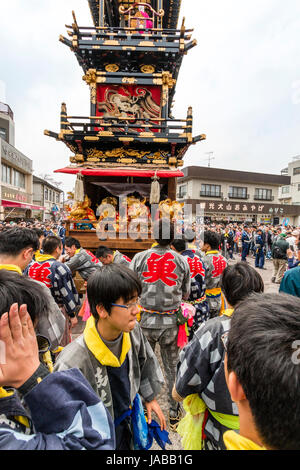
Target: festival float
(127, 154)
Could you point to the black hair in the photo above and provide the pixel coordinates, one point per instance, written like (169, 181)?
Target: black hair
(110, 283)
(179, 244)
(163, 231)
(263, 351)
(38, 231)
(103, 251)
(15, 288)
(240, 280)
(50, 244)
(212, 239)
(70, 241)
(16, 239)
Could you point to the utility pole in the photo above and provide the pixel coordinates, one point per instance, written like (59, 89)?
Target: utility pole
(210, 157)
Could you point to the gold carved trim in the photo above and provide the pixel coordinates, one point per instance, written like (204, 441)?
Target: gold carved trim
(147, 68)
(90, 76)
(112, 67)
(111, 42)
(129, 80)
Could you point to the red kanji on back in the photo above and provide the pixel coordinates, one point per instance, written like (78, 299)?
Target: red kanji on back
(126, 258)
(196, 267)
(41, 272)
(161, 268)
(94, 259)
(220, 264)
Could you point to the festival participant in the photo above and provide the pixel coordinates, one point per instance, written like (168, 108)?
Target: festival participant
(215, 264)
(227, 243)
(293, 261)
(200, 374)
(48, 231)
(259, 247)
(80, 260)
(58, 278)
(246, 241)
(17, 246)
(61, 232)
(198, 287)
(263, 374)
(107, 256)
(39, 410)
(41, 235)
(279, 254)
(165, 278)
(112, 353)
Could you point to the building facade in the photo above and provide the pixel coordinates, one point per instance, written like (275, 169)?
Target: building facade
(236, 196)
(50, 197)
(290, 193)
(16, 173)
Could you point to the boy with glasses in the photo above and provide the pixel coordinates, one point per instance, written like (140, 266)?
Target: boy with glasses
(113, 354)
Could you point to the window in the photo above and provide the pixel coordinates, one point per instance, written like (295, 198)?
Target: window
(46, 194)
(3, 133)
(18, 179)
(5, 174)
(263, 194)
(210, 190)
(57, 198)
(237, 192)
(285, 189)
(182, 191)
(296, 171)
(298, 187)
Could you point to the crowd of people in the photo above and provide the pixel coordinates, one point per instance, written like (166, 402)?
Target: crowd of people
(229, 354)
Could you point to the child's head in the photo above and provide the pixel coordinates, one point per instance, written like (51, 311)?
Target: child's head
(114, 284)
(211, 240)
(163, 231)
(15, 288)
(240, 280)
(178, 245)
(263, 366)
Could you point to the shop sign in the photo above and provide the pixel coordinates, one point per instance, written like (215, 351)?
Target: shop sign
(12, 195)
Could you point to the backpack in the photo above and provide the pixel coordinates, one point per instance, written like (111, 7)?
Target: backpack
(278, 253)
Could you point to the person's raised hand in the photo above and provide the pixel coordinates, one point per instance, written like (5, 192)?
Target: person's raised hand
(20, 354)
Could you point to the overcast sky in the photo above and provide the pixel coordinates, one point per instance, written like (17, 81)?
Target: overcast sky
(243, 80)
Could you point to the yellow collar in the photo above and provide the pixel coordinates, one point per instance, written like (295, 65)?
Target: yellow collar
(228, 312)
(77, 251)
(39, 257)
(11, 267)
(235, 441)
(212, 252)
(4, 393)
(100, 350)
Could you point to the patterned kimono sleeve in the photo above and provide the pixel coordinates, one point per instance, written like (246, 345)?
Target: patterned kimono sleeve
(194, 370)
(186, 285)
(152, 378)
(67, 415)
(64, 284)
(75, 262)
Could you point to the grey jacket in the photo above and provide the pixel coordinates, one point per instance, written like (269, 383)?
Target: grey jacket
(145, 375)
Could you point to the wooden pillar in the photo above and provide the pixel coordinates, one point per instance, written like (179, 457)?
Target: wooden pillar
(172, 183)
(101, 13)
(160, 5)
